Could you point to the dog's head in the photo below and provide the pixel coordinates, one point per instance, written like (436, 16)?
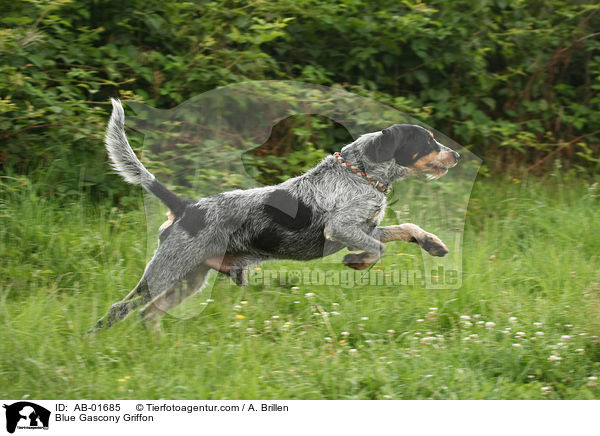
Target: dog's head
(412, 147)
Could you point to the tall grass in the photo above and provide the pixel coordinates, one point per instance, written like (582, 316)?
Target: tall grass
(525, 323)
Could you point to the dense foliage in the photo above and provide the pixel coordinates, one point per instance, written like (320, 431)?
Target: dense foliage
(511, 79)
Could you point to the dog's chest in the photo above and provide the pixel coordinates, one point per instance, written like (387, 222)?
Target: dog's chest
(377, 214)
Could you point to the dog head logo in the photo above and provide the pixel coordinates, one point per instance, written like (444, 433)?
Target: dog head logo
(26, 415)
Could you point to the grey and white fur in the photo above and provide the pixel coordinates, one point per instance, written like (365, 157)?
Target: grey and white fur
(313, 215)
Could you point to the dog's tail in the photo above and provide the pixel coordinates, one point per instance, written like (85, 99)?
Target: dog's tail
(126, 163)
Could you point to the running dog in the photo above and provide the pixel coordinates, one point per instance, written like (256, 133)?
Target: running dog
(337, 204)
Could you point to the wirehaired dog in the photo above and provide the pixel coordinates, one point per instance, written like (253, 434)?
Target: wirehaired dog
(337, 204)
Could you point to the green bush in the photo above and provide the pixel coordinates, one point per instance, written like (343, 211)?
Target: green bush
(510, 79)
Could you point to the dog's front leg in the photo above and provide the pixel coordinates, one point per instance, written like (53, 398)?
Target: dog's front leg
(355, 238)
(412, 233)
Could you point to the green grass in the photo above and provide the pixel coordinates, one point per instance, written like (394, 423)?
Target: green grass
(530, 256)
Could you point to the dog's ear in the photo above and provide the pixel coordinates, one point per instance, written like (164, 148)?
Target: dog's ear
(412, 146)
(384, 146)
(405, 154)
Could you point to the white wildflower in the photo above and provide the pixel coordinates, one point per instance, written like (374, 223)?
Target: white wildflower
(427, 340)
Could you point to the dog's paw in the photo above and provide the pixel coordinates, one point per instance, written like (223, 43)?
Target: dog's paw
(99, 325)
(357, 260)
(239, 276)
(433, 245)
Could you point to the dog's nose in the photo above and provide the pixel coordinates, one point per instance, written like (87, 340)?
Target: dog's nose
(456, 155)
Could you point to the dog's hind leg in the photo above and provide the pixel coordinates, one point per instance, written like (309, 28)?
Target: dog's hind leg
(161, 273)
(119, 310)
(175, 294)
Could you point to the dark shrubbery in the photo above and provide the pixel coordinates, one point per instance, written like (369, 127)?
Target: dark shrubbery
(515, 80)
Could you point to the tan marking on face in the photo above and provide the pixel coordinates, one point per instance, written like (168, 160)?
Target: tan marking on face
(431, 133)
(422, 163)
(435, 164)
(169, 221)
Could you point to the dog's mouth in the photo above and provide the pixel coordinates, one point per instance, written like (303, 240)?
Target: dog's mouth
(436, 170)
(436, 165)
